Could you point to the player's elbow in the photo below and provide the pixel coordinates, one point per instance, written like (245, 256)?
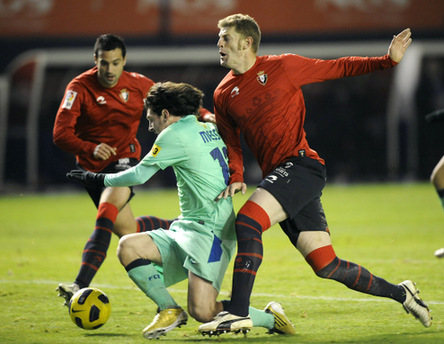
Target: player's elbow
(58, 138)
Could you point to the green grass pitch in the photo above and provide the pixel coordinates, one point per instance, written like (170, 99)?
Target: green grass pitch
(391, 229)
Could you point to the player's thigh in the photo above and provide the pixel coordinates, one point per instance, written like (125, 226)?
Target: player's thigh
(309, 241)
(201, 298)
(125, 222)
(118, 196)
(270, 204)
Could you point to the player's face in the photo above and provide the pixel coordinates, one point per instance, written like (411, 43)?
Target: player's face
(229, 45)
(156, 123)
(110, 67)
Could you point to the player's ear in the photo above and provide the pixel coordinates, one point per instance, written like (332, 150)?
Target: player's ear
(248, 42)
(165, 114)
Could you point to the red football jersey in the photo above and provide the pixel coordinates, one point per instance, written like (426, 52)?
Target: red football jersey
(91, 114)
(266, 105)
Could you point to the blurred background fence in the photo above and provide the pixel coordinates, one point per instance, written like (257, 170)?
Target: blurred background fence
(367, 128)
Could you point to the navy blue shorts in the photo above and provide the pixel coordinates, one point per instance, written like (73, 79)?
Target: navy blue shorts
(297, 184)
(117, 166)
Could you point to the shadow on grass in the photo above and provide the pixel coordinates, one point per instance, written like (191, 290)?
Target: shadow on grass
(101, 334)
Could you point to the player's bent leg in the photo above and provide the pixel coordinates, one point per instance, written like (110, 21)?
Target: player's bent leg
(327, 265)
(136, 253)
(108, 220)
(137, 246)
(202, 296)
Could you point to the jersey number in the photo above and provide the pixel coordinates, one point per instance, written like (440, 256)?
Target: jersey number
(221, 156)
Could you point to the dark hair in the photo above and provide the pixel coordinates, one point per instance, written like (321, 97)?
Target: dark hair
(109, 42)
(245, 25)
(180, 99)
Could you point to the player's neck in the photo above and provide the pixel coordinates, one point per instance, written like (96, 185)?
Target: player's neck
(246, 65)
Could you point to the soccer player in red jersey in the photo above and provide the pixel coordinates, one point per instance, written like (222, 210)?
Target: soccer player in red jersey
(261, 99)
(97, 121)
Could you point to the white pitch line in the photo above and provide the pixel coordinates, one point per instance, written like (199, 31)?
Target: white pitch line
(307, 297)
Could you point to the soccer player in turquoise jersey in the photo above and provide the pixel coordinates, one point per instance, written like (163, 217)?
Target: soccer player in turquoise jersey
(201, 242)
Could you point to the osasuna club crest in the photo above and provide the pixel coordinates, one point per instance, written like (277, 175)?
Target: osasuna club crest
(124, 95)
(262, 78)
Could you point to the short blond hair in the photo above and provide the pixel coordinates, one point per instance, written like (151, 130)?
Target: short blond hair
(245, 25)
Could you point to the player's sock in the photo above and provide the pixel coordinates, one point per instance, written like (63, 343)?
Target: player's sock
(441, 196)
(95, 249)
(251, 221)
(259, 317)
(326, 264)
(148, 279)
(148, 223)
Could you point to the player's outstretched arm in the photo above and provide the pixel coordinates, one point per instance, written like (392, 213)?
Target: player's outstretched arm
(399, 45)
(87, 178)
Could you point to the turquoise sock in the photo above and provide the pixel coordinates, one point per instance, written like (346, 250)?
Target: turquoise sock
(261, 318)
(150, 282)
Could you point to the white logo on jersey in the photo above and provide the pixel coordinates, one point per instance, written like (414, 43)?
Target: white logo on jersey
(101, 100)
(69, 99)
(234, 92)
(288, 164)
(271, 179)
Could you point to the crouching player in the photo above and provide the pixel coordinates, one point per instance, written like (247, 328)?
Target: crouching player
(201, 242)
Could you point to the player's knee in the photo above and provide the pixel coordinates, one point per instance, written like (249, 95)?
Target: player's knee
(202, 313)
(125, 246)
(327, 270)
(324, 273)
(323, 261)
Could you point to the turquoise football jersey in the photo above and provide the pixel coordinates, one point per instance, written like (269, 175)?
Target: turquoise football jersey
(199, 159)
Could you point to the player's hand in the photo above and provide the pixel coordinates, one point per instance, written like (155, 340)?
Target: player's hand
(87, 178)
(104, 151)
(399, 45)
(232, 189)
(209, 117)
